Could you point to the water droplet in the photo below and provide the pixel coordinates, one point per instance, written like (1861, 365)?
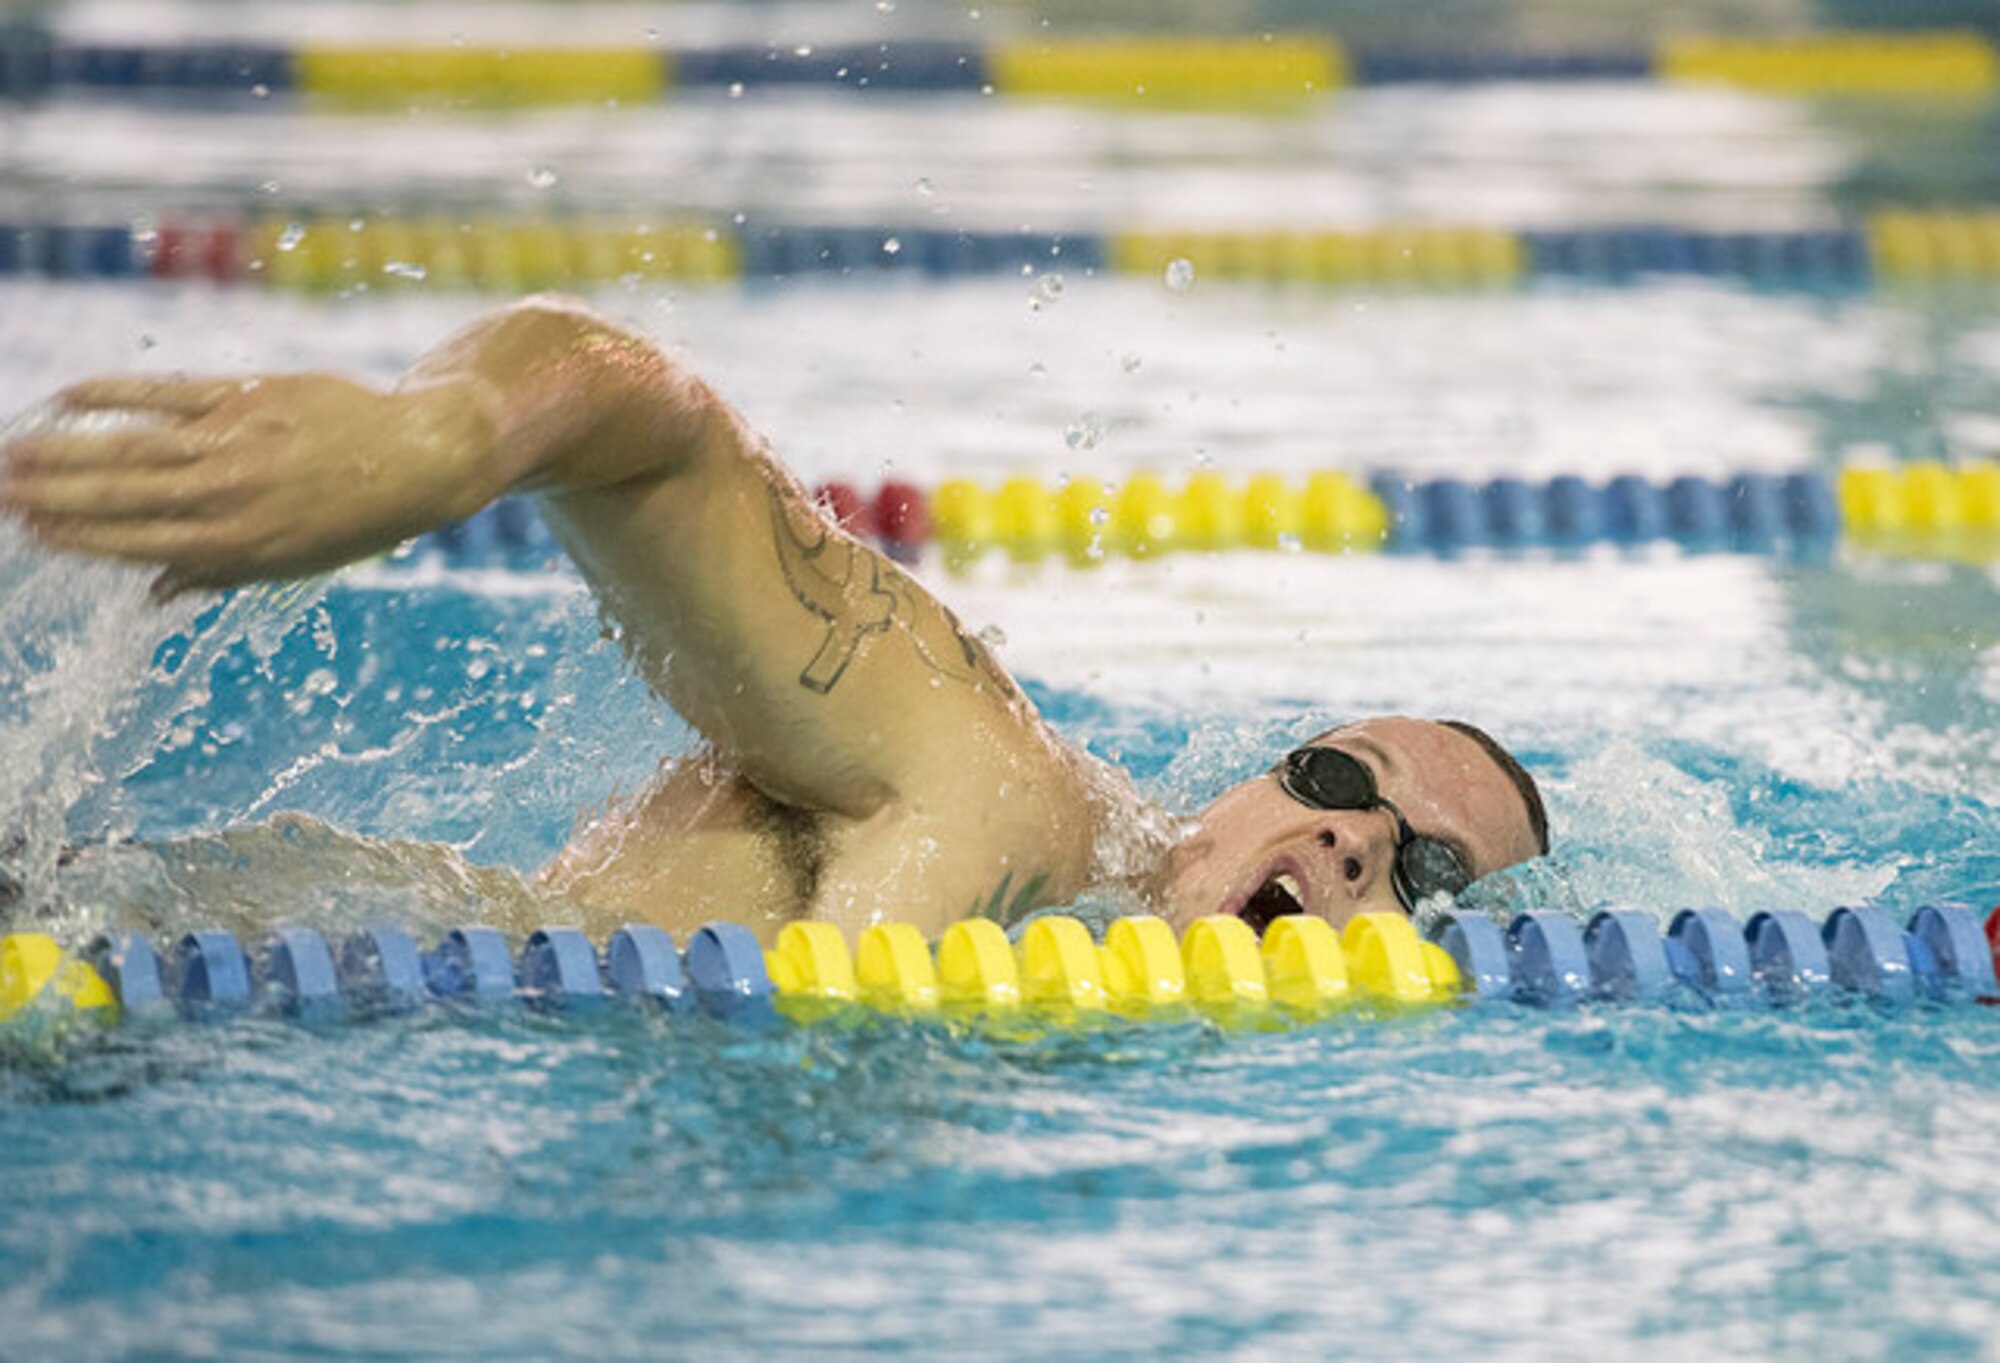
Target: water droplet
(269, 187)
(1047, 292)
(652, 35)
(886, 6)
(1083, 433)
(736, 89)
(1038, 370)
(1129, 363)
(891, 246)
(925, 188)
(802, 50)
(147, 342)
(404, 269)
(1180, 274)
(993, 637)
(1289, 542)
(1100, 516)
(356, 224)
(542, 177)
(289, 239)
(261, 90)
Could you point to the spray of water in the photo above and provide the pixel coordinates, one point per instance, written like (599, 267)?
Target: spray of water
(93, 673)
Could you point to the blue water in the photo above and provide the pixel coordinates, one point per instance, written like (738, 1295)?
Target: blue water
(1496, 1181)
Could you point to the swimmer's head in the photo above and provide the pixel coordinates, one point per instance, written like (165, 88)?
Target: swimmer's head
(1370, 817)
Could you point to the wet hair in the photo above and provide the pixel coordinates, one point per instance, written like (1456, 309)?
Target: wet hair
(1531, 795)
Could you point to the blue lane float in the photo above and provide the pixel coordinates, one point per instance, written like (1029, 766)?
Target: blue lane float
(1965, 959)
(382, 971)
(1546, 953)
(1867, 954)
(640, 963)
(1478, 947)
(472, 965)
(559, 971)
(69, 251)
(1780, 958)
(725, 966)
(296, 977)
(1788, 955)
(209, 975)
(133, 969)
(778, 252)
(1627, 957)
(1751, 512)
(1708, 952)
(1403, 67)
(1837, 256)
(913, 67)
(110, 69)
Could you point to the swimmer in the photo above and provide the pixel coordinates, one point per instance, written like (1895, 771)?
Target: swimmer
(863, 758)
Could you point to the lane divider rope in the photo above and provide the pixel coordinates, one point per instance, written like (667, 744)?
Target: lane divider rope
(1161, 71)
(350, 254)
(1920, 509)
(1302, 970)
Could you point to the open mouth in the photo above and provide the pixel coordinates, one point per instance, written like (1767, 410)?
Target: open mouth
(1276, 897)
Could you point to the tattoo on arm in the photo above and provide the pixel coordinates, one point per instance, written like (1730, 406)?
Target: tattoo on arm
(856, 594)
(836, 580)
(1006, 910)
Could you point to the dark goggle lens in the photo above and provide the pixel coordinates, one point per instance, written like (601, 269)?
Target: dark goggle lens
(1327, 778)
(1428, 867)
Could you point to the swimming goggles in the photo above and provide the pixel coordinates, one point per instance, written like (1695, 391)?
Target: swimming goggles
(1327, 778)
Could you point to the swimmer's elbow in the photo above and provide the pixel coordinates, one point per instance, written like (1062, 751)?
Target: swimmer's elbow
(654, 415)
(582, 401)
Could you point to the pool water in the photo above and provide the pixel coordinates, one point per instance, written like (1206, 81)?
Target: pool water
(1744, 732)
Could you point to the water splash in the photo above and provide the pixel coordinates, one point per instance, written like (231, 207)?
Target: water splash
(1695, 849)
(93, 673)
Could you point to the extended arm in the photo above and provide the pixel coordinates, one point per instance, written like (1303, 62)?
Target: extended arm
(821, 670)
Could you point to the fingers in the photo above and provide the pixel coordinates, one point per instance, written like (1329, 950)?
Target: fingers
(176, 543)
(118, 494)
(185, 398)
(160, 447)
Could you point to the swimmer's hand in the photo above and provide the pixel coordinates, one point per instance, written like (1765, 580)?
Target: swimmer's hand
(232, 481)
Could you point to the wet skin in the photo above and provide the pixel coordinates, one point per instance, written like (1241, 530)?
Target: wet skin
(1336, 863)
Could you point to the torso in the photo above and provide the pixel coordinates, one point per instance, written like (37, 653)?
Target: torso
(704, 843)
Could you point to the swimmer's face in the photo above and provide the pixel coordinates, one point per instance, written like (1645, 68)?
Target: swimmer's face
(1258, 851)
